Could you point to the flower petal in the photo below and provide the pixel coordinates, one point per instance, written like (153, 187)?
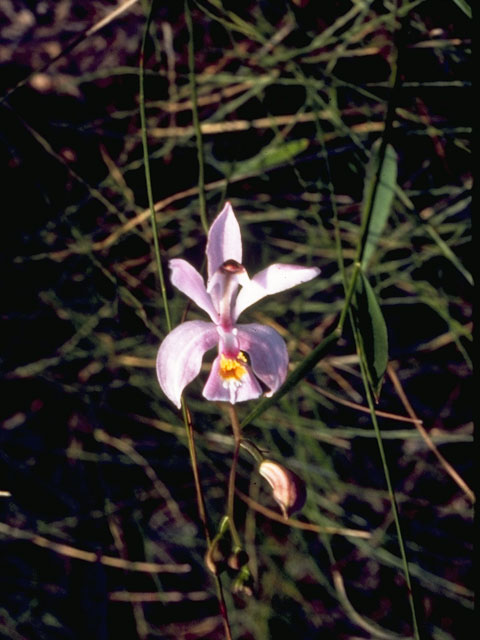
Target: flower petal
(267, 351)
(180, 356)
(224, 240)
(273, 279)
(219, 390)
(187, 279)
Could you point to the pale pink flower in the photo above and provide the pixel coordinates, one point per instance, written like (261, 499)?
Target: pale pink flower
(247, 353)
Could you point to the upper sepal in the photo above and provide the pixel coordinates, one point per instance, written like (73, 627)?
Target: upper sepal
(224, 240)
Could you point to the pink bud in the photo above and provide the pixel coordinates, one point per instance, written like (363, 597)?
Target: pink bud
(288, 489)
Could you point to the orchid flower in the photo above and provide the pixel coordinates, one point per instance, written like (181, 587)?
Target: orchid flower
(248, 354)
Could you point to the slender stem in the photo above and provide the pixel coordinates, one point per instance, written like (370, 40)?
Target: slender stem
(196, 119)
(391, 492)
(146, 162)
(202, 512)
(237, 435)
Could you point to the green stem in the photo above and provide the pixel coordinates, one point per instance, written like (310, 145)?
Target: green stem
(146, 161)
(202, 512)
(237, 435)
(391, 493)
(196, 120)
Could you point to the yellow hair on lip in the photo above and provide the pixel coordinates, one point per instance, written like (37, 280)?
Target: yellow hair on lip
(232, 369)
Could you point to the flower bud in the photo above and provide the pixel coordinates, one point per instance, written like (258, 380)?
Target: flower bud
(243, 584)
(288, 489)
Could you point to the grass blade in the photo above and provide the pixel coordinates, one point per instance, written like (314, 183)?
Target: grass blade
(372, 332)
(382, 197)
(464, 6)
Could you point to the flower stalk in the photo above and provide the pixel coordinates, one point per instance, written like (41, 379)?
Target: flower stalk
(237, 436)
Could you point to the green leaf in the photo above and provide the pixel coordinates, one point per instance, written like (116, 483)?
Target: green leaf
(464, 6)
(372, 333)
(382, 196)
(270, 157)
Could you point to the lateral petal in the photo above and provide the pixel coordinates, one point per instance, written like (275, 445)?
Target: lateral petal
(273, 279)
(267, 351)
(224, 240)
(180, 356)
(187, 279)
